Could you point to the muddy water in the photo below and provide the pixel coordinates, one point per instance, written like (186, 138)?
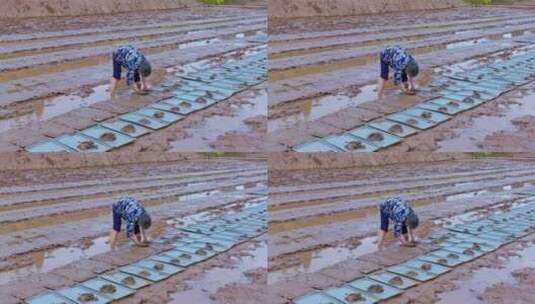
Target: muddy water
(202, 289)
(44, 261)
(315, 108)
(314, 260)
(215, 126)
(471, 137)
(468, 290)
(48, 108)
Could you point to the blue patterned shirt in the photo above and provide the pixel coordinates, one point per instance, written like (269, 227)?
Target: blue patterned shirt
(130, 209)
(130, 58)
(397, 58)
(397, 210)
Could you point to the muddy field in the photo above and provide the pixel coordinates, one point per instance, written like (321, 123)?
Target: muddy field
(55, 219)
(55, 70)
(323, 224)
(323, 71)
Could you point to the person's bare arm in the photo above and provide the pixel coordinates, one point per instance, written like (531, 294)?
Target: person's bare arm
(380, 88)
(113, 87)
(411, 84)
(143, 235)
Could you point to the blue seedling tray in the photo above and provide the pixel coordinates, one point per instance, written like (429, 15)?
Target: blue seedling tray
(153, 112)
(364, 132)
(435, 269)
(470, 102)
(364, 285)
(49, 297)
(340, 293)
(195, 250)
(316, 298)
(386, 125)
(152, 275)
(152, 264)
(435, 117)
(119, 125)
(445, 258)
(73, 140)
(118, 277)
(48, 146)
(74, 292)
(341, 141)
(183, 105)
(96, 132)
(462, 250)
(184, 258)
(444, 105)
(148, 122)
(316, 146)
(97, 283)
(385, 277)
(412, 273)
(415, 122)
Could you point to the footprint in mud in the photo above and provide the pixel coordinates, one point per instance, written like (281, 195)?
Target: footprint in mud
(87, 297)
(354, 145)
(354, 297)
(376, 136)
(108, 136)
(425, 266)
(144, 273)
(411, 273)
(128, 129)
(396, 281)
(426, 115)
(158, 114)
(128, 281)
(158, 266)
(108, 288)
(396, 129)
(376, 288)
(87, 145)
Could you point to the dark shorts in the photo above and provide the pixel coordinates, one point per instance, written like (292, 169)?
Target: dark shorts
(117, 67)
(385, 220)
(117, 221)
(385, 69)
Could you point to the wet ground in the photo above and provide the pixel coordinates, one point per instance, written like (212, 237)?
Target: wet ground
(44, 95)
(323, 223)
(323, 72)
(56, 221)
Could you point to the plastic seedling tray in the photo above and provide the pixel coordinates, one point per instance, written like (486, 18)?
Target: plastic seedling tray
(125, 127)
(366, 133)
(75, 141)
(433, 116)
(412, 273)
(97, 284)
(144, 121)
(384, 292)
(48, 146)
(393, 127)
(450, 108)
(182, 258)
(341, 293)
(49, 297)
(125, 279)
(316, 298)
(182, 106)
(316, 146)
(432, 268)
(462, 250)
(393, 279)
(343, 141)
(160, 114)
(75, 292)
(145, 273)
(415, 122)
(116, 139)
(158, 266)
(195, 250)
(444, 257)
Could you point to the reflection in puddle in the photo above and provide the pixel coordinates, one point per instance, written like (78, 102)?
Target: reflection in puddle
(44, 261)
(201, 289)
(312, 261)
(469, 290)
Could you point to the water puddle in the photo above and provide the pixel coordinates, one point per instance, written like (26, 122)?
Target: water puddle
(44, 261)
(202, 289)
(314, 260)
(469, 139)
(215, 126)
(315, 108)
(48, 108)
(468, 290)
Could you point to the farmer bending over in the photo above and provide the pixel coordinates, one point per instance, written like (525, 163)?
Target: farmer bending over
(137, 221)
(404, 66)
(402, 216)
(137, 69)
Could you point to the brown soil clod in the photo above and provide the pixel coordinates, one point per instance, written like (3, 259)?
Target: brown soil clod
(175, 109)
(201, 252)
(397, 128)
(443, 109)
(158, 114)
(144, 273)
(476, 94)
(175, 261)
(411, 273)
(468, 252)
(185, 104)
(396, 280)
(442, 261)
(87, 145)
(209, 246)
(128, 281)
(425, 266)
(468, 100)
(376, 288)
(453, 256)
(376, 136)
(354, 145)
(476, 246)
(412, 121)
(354, 297)
(144, 121)
(185, 256)
(108, 288)
(128, 129)
(453, 104)
(209, 94)
(108, 136)
(158, 266)
(87, 297)
(426, 114)
(201, 100)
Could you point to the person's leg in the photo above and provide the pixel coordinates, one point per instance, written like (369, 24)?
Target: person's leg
(116, 77)
(116, 227)
(382, 78)
(383, 229)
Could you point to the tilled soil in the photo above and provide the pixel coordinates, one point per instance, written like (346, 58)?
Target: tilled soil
(56, 221)
(323, 69)
(323, 221)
